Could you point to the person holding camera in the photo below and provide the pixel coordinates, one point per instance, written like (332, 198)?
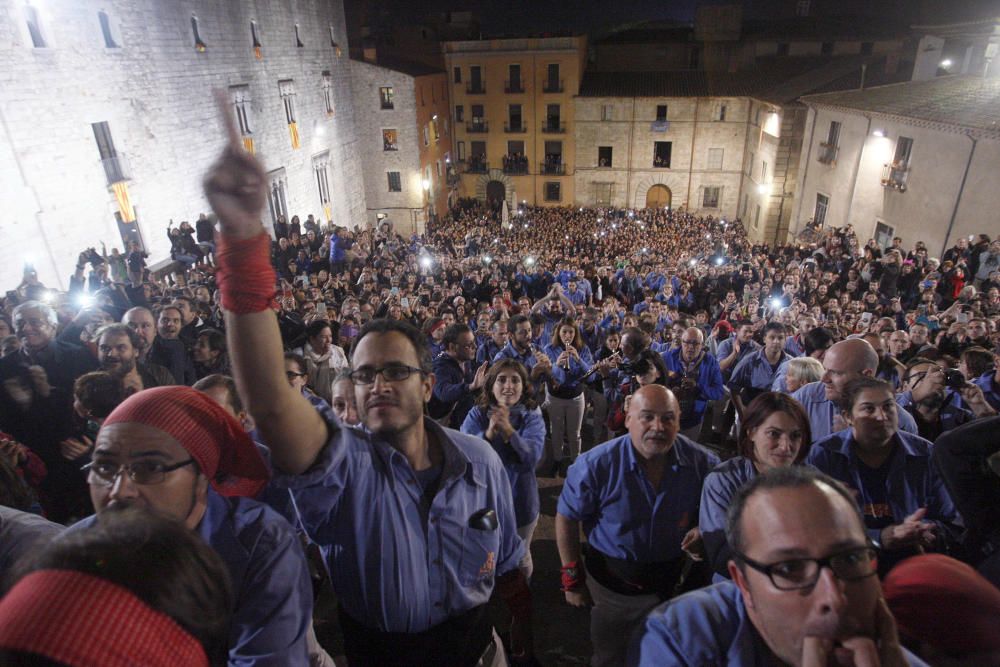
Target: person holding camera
(940, 399)
(695, 378)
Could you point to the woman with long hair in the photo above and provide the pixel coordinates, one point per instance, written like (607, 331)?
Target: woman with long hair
(774, 434)
(508, 418)
(571, 363)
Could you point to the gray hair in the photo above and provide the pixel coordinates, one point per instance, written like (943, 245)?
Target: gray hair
(45, 309)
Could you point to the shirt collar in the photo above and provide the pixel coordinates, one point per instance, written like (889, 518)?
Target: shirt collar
(674, 456)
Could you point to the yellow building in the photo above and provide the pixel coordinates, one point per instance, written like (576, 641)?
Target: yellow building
(512, 108)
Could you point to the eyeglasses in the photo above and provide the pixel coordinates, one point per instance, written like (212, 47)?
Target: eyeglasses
(798, 573)
(690, 342)
(390, 373)
(146, 473)
(291, 375)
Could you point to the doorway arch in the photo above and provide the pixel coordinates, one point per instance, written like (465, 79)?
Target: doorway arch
(658, 196)
(496, 192)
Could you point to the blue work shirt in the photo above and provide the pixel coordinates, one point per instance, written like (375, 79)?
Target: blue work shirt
(716, 495)
(392, 570)
(451, 387)
(487, 351)
(519, 456)
(571, 379)
(754, 371)
(726, 348)
(821, 411)
(594, 339)
(779, 383)
(622, 514)
(272, 592)
(991, 388)
(952, 414)
(709, 382)
(913, 481)
(794, 347)
(708, 626)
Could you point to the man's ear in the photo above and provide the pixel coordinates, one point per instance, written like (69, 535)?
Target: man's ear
(736, 574)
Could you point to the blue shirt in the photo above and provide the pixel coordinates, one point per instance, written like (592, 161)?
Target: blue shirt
(569, 379)
(451, 387)
(794, 347)
(726, 348)
(951, 415)
(754, 371)
(716, 495)
(708, 626)
(913, 482)
(391, 570)
(622, 514)
(821, 411)
(487, 351)
(273, 596)
(519, 456)
(990, 387)
(709, 383)
(779, 383)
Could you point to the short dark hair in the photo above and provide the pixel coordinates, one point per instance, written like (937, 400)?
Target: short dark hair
(818, 338)
(298, 359)
(384, 325)
(854, 388)
(978, 360)
(218, 380)
(168, 567)
(515, 320)
(790, 477)
(119, 329)
(216, 339)
(316, 327)
(99, 392)
(774, 326)
(452, 333)
(762, 407)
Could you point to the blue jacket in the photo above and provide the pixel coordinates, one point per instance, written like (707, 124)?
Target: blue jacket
(519, 456)
(990, 387)
(451, 388)
(709, 382)
(570, 380)
(273, 596)
(716, 495)
(913, 482)
(708, 626)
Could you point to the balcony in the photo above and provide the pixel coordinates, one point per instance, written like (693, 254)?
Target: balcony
(513, 86)
(474, 88)
(552, 168)
(827, 153)
(515, 164)
(117, 169)
(512, 128)
(477, 127)
(894, 176)
(659, 126)
(552, 127)
(477, 165)
(553, 86)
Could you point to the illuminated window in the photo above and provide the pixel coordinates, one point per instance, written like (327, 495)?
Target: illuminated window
(385, 95)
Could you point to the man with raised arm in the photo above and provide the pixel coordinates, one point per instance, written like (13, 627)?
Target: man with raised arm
(417, 520)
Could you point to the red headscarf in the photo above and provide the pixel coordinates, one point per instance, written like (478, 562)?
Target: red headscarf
(84, 621)
(945, 603)
(223, 450)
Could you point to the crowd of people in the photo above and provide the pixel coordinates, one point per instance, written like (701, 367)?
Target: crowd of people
(771, 454)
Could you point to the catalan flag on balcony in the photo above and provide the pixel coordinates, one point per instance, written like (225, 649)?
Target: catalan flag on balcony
(248, 144)
(293, 130)
(327, 212)
(258, 53)
(124, 203)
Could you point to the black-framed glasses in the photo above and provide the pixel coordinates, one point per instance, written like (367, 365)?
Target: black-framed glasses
(798, 573)
(291, 375)
(390, 373)
(145, 473)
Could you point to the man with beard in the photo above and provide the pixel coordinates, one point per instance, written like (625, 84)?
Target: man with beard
(440, 500)
(168, 350)
(117, 352)
(935, 407)
(756, 372)
(177, 453)
(697, 378)
(637, 499)
(804, 590)
(141, 321)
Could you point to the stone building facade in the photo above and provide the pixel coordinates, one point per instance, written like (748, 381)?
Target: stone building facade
(107, 113)
(404, 133)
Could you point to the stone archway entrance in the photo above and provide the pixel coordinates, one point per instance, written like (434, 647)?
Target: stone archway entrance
(658, 196)
(496, 192)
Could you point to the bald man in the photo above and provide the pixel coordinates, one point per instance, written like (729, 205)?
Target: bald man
(637, 499)
(843, 362)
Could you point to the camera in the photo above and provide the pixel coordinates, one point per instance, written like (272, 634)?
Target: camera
(638, 367)
(953, 379)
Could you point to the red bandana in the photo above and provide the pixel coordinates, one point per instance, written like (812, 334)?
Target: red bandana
(223, 450)
(84, 621)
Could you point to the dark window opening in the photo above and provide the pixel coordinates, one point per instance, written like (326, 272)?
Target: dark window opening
(661, 154)
(661, 112)
(298, 38)
(552, 191)
(34, 27)
(199, 44)
(604, 156)
(395, 183)
(109, 40)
